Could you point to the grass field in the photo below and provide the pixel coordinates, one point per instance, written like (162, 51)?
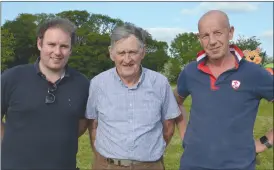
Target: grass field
(264, 122)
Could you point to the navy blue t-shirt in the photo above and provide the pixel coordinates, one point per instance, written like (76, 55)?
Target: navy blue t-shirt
(40, 135)
(219, 134)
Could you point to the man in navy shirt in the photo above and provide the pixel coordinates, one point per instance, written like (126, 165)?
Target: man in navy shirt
(226, 91)
(44, 104)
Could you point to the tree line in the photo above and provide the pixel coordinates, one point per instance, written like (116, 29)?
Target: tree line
(90, 54)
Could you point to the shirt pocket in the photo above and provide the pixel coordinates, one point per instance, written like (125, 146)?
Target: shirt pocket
(149, 106)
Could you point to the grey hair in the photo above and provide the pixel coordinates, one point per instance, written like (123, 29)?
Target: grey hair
(127, 29)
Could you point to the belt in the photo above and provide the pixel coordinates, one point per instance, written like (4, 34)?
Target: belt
(122, 162)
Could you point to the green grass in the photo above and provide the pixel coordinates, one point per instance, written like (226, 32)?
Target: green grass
(263, 123)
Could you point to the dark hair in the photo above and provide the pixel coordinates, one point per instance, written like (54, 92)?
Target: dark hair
(62, 23)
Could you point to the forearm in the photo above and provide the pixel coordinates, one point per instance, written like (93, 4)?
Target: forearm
(260, 147)
(92, 128)
(168, 130)
(181, 122)
(269, 135)
(83, 123)
(92, 139)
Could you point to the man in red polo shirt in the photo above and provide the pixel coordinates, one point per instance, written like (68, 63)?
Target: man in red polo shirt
(226, 91)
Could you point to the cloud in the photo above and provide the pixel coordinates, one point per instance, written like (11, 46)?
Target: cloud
(266, 38)
(238, 7)
(165, 34)
(267, 34)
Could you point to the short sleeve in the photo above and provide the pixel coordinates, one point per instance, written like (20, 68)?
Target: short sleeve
(264, 88)
(170, 108)
(91, 109)
(182, 88)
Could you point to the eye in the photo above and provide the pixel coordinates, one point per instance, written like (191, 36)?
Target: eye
(121, 53)
(218, 33)
(133, 52)
(204, 36)
(64, 46)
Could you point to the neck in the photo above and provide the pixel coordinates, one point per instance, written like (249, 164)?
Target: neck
(221, 62)
(51, 75)
(132, 80)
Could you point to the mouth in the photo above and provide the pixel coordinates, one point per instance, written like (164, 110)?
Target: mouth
(214, 49)
(128, 65)
(56, 58)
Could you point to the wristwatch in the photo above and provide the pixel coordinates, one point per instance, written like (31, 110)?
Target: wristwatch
(264, 141)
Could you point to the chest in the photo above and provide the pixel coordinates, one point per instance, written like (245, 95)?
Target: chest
(229, 88)
(28, 99)
(139, 105)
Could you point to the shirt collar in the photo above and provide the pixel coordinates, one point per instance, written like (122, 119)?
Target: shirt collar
(139, 81)
(236, 51)
(38, 71)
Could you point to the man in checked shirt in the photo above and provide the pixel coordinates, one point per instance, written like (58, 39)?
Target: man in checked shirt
(134, 107)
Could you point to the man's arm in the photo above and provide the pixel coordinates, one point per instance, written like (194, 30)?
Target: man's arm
(264, 89)
(83, 124)
(262, 147)
(92, 127)
(168, 130)
(181, 121)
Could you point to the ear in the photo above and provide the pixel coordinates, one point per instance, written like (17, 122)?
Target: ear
(231, 33)
(39, 43)
(198, 37)
(144, 52)
(110, 50)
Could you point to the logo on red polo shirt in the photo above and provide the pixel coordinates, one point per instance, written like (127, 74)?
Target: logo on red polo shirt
(235, 84)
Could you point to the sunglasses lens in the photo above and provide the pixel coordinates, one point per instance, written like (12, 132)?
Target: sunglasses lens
(50, 98)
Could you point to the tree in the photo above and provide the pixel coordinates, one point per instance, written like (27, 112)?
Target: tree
(23, 28)
(7, 48)
(172, 69)
(250, 43)
(156, 55)
(92, 58)
(185, 47)
(104, 24)
(79, 18)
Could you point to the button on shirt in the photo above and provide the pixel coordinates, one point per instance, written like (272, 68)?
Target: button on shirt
(130, 119)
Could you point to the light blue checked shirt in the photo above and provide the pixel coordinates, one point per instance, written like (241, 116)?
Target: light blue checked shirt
(130, 120)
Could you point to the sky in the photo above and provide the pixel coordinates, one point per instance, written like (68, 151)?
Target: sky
(164, 20)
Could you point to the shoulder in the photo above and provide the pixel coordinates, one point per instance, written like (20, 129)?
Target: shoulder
(191, 66)
(79, 77)
(255, 70)
(155, 77)
(17, 71)
(103, 77)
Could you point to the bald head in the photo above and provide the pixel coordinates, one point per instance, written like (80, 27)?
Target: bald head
(216, 15)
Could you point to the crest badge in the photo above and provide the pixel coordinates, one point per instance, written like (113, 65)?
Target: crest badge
(235, 84)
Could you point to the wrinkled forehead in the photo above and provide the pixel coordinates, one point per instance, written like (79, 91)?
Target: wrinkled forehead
(129, 43)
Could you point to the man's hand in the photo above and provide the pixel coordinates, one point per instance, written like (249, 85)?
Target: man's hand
(259, 146)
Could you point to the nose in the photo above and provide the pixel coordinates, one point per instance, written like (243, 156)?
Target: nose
(127, 57)
(57, 50)
(212, 40)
